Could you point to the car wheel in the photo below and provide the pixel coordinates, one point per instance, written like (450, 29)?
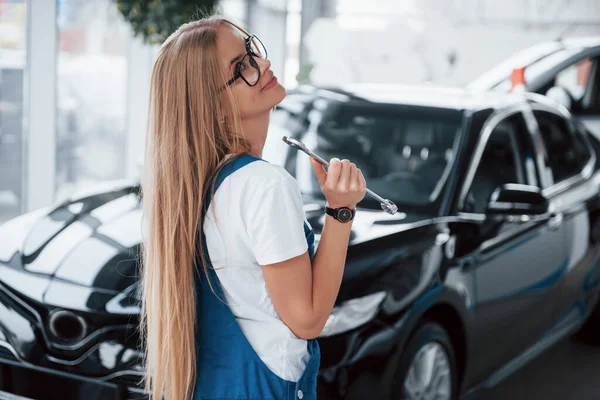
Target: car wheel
(426, 369)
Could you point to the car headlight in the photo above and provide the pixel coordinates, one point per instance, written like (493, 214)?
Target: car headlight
(352, 314)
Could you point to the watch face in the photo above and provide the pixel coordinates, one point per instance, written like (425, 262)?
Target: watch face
(344, 214)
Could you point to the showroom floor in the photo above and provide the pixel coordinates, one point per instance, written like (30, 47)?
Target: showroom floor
(568, 371)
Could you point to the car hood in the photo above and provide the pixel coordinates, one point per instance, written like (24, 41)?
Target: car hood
(83, 254)
(80, 254)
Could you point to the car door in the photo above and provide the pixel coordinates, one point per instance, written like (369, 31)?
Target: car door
(580, 77)
(568, 165)
(517, 258)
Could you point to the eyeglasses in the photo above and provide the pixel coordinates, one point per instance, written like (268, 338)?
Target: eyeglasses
(247, 68)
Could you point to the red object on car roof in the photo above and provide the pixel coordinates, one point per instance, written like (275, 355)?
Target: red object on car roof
(517, 79)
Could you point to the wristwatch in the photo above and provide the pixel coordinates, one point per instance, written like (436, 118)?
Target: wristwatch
(342, 214)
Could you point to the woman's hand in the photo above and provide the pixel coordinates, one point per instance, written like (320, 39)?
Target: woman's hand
(343, 185)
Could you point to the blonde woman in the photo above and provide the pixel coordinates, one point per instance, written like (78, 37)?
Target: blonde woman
(233, 293)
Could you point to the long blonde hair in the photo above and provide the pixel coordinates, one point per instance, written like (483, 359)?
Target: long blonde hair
(193, 123)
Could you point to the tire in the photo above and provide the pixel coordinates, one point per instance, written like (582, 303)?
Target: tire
(428, 340)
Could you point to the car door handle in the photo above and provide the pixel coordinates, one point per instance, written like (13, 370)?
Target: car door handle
(555, 221)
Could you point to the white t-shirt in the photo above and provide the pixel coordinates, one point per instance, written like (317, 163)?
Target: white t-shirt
(260, 221)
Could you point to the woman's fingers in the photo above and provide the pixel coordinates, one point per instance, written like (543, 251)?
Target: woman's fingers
(361, 181)
(344, 180)
(333, 174)
(344, 185)
(319, 171)
(353, 180)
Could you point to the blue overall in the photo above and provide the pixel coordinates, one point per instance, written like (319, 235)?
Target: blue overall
(228, 367)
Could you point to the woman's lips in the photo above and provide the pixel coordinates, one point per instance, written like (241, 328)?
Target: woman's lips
(271, 83)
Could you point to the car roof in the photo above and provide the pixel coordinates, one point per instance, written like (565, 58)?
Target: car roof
(581, 41)
(426, 96)
(531, 55)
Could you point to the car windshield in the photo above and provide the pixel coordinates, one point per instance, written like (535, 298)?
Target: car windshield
(404, 153)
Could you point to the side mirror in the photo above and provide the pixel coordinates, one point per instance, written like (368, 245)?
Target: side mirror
(516, 199)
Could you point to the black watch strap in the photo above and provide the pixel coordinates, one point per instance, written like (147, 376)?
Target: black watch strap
(342, 214)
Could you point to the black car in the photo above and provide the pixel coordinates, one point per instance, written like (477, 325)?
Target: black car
(492, 258)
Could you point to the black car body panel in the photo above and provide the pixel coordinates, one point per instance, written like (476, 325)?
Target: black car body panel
(504, 286)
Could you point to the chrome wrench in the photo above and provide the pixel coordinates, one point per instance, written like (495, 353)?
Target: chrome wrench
(386, 205)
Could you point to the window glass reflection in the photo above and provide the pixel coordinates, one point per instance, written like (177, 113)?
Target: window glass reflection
(13, 17)
(91, 95)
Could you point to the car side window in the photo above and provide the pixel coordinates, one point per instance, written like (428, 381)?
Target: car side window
(575, 78)
(566, 151)
(581, 82)
(290, 121)
(501, 163)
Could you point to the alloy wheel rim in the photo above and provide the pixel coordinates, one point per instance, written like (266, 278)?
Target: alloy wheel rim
(429, 376)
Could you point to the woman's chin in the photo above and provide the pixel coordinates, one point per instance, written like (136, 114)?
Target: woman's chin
(281, 92)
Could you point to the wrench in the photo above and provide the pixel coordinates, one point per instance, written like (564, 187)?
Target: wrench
(386, 205)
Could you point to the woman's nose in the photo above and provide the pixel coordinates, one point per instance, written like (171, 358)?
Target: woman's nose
(264, 64)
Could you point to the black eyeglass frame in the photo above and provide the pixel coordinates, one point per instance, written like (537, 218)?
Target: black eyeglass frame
(249, 53)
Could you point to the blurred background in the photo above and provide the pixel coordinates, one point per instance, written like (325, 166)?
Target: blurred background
(74, 81)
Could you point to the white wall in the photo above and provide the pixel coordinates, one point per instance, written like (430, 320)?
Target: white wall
(413, 44)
